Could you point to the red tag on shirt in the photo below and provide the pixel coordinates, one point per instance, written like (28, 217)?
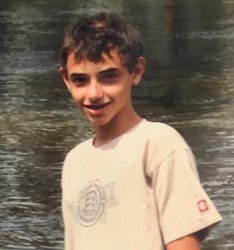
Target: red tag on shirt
(202, 205)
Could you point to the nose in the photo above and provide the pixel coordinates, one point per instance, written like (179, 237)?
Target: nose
(95, 92)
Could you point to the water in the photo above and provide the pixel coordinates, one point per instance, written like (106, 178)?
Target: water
(188, 84)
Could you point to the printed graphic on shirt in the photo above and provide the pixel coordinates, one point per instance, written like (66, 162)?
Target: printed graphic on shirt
(93, 201)
(202, 205)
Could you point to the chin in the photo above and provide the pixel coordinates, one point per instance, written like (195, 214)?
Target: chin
(98, 122)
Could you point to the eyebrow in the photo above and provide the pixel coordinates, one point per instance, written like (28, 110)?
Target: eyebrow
(109, 70)
(78, 74)
(100, 72)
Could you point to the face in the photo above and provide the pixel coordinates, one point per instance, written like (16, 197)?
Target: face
(102, 90)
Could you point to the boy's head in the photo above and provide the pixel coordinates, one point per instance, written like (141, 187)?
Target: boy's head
(93, 36)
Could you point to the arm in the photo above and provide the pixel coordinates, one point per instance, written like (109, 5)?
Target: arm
(190, 242)
(68, 228)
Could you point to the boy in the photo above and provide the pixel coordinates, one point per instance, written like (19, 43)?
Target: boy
(135, 185)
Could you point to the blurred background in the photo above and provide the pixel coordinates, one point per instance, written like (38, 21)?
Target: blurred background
(189, 84)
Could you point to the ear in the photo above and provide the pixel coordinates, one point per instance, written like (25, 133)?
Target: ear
(139, 70)
(63, 73)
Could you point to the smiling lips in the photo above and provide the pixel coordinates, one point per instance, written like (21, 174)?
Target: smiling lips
(97, 107)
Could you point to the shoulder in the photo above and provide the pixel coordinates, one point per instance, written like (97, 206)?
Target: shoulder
(163, 134)
(161, 142)
(73, 160)
(159, 127)
(80, 149)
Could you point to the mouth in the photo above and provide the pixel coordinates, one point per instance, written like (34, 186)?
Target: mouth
(97, 106)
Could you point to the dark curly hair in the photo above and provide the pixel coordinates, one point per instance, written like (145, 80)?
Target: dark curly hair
(94, 35)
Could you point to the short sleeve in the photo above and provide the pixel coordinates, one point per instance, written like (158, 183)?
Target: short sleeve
(183, 205)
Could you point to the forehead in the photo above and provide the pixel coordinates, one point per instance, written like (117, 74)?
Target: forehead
(111, 60)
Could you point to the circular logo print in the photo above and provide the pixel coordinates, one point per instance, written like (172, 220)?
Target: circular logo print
(202, 205)
(91, 203)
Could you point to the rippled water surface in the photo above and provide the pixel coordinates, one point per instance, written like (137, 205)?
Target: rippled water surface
(189, 84)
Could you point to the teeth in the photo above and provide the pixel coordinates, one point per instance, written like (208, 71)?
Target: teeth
(96, 107)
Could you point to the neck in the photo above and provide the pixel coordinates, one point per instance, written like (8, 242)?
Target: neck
(113, 129)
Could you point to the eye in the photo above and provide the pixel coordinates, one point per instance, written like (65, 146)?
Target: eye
(109, 77)
(79, 79)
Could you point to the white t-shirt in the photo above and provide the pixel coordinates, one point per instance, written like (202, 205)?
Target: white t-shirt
(138, 192)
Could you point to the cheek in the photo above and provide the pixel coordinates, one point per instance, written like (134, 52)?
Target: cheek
(121, 90)
(125, 91)
(122, 96)
(76, 94)
(77, 99)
